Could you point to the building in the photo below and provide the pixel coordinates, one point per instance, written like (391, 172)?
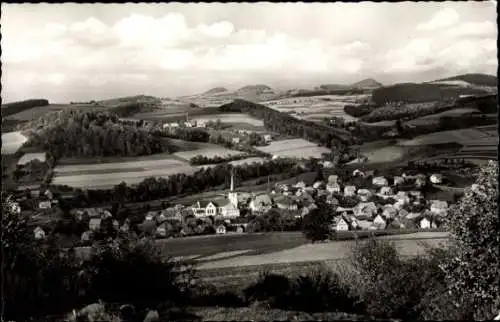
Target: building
(260, 204)
(389, 211)
(333, 187)
(340, 223)
(364, 194)
(95, 223)
(386, 192)
(221, 229)
(357, 173)
(286, 203)
(224, 207)
(379, 222)
(201, 124)
(39, 233)
(398, 180)
(365, 209)
(436, 178)
(86, 236)
(333, 178)
(349, 191)
(380, 181)
(236, 140)
(46, 204)
(267, 138)
(15, 208)
(439, 207)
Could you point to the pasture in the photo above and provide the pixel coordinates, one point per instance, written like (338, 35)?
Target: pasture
(230, 118)
(12, 142)
(175, 113)
(294, 148)
(109, 174)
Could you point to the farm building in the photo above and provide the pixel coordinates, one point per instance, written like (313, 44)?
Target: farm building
(340, 223)
(39, 233)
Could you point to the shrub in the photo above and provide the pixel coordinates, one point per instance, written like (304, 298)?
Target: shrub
(270, 288)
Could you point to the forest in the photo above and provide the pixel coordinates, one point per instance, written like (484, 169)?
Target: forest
(72, 133)
(288, 125)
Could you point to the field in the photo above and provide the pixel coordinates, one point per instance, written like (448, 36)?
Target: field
(382, 155)
(106, 175)
(316, 107)
(12, 141)
(425, 120)
(463, 136)
(294, 148)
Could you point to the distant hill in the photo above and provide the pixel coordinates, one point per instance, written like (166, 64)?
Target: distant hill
(474, 79)
(367, 83)
(259, 88)
(216, 90)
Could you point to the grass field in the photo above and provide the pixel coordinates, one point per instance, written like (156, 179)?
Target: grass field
(294, 148)
(230, 118)
(12, 141)
(107, 174)
(382, 155)
(175, 113)
(463, 136)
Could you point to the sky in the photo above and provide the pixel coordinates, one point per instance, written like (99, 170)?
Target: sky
(78, 52)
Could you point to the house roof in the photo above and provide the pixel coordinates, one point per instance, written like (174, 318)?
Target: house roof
(262, 200)
(201, 204)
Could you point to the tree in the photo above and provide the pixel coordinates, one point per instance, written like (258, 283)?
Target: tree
(316, 224)
(472, 275)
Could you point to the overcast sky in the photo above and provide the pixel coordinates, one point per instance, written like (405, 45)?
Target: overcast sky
(71, 52)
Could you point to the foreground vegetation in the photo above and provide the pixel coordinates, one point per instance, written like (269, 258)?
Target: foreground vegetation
(457, 282)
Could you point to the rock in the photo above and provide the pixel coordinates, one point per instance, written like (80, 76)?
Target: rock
(151, 316)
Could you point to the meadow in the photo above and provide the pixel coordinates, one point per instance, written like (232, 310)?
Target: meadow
(39, 111)
(106, 175)
(294, 148)
(12, 142)
(208, 152)
(230, 118)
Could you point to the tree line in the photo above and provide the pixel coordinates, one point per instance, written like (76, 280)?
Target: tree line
(203, 160)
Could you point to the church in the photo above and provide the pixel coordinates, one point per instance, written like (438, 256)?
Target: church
(225, 207)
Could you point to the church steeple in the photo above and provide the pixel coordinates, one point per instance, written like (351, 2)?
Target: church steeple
(232, 195)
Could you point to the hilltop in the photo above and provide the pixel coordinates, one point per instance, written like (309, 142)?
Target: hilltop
(259, 88)
(216, 90)
(367, 83)
(473, 79)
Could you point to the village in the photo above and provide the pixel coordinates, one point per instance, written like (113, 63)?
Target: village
(384, 203)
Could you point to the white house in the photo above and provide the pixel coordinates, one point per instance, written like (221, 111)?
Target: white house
(200, 123)
(379, 181)
(402, 197)
(46, 204)
(333, 187)
(349, 191)
(333, 178)
(425, 223)
(340, 223)
(379, 222)
(420, 180)
(39, 233)
(161, 230)
(439, 207)
(300, 185)
(15, 207)
(267, 138)
(86, 235)
(364, 194)
(357, 172)
(328, 164)
(436, 178)
(236, 140)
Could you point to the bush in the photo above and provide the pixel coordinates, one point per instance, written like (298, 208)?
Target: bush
(270, 288)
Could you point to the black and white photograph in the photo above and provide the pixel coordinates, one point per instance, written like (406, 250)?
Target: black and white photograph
(327, 161)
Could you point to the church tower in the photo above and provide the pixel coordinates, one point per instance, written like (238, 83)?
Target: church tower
(232, 195)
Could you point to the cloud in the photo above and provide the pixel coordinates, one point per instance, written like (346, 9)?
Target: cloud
(443, 18)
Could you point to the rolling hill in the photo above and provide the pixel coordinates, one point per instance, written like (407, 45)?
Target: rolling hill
(473, 79)
(367, 83)
(216, 90)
